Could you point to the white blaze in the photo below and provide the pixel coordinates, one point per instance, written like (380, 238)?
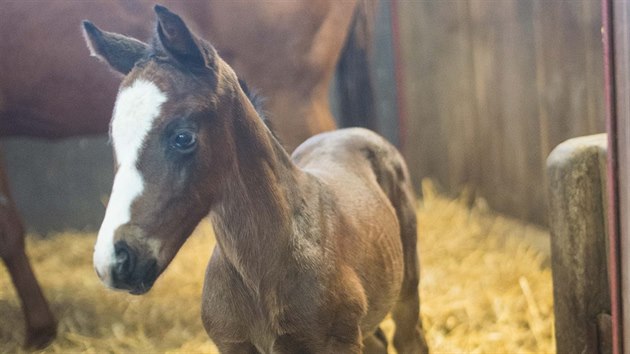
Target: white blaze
(137, 107)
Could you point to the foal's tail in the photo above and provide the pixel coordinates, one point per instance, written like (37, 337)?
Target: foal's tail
(395, 181)
(399, 190)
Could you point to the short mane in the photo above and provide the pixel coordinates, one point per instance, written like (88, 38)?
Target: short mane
(258, 102)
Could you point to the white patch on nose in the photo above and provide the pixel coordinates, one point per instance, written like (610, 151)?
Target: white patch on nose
(137, 107)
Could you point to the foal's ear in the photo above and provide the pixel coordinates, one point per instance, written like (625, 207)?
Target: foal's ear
(119, 51)
(177, 39)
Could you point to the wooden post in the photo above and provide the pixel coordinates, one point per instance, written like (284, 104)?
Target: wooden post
(577, 185)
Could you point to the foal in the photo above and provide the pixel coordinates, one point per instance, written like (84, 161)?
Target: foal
(313, 250)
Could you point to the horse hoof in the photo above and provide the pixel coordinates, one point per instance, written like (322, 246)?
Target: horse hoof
(40, 338)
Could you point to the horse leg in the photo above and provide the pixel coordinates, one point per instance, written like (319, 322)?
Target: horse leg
(343, 338)
(375, 343)
(409, 336)
(344, 345)
(236, 348)
(41, 326)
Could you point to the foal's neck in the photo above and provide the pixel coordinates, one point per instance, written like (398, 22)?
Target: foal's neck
(253, 219)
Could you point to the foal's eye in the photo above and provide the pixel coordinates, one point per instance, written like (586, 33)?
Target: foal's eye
(184, 141)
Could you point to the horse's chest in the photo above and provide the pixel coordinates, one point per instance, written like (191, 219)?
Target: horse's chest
(232, 313)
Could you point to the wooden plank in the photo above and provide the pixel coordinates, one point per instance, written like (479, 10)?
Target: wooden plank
(569, 70)
(504, 66)
(439, 91)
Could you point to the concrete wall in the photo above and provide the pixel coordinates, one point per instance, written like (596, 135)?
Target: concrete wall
(59, 185)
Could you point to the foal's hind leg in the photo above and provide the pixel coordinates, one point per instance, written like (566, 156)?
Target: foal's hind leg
(409, 336)
(375, 343)
(41, 326)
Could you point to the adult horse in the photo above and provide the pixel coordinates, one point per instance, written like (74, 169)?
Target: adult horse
(313, 250)
(49, 89)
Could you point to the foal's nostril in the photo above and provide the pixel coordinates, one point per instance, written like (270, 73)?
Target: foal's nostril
(130, 271)
(125, 262)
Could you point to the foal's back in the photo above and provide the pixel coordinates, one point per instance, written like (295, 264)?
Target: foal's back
(354, 153)
(355, 161)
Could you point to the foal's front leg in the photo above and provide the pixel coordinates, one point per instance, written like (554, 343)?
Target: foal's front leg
(290, 344)
(343, 346)
(236, 348)
(375, 343)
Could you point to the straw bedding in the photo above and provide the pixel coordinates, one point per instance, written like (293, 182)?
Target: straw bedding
(484, 289)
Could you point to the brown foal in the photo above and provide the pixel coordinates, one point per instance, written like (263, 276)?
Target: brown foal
(313, 250)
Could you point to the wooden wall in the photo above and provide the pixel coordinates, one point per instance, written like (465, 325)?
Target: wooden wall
(489, 88)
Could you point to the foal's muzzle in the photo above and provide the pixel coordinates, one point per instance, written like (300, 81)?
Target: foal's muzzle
(131, 273)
